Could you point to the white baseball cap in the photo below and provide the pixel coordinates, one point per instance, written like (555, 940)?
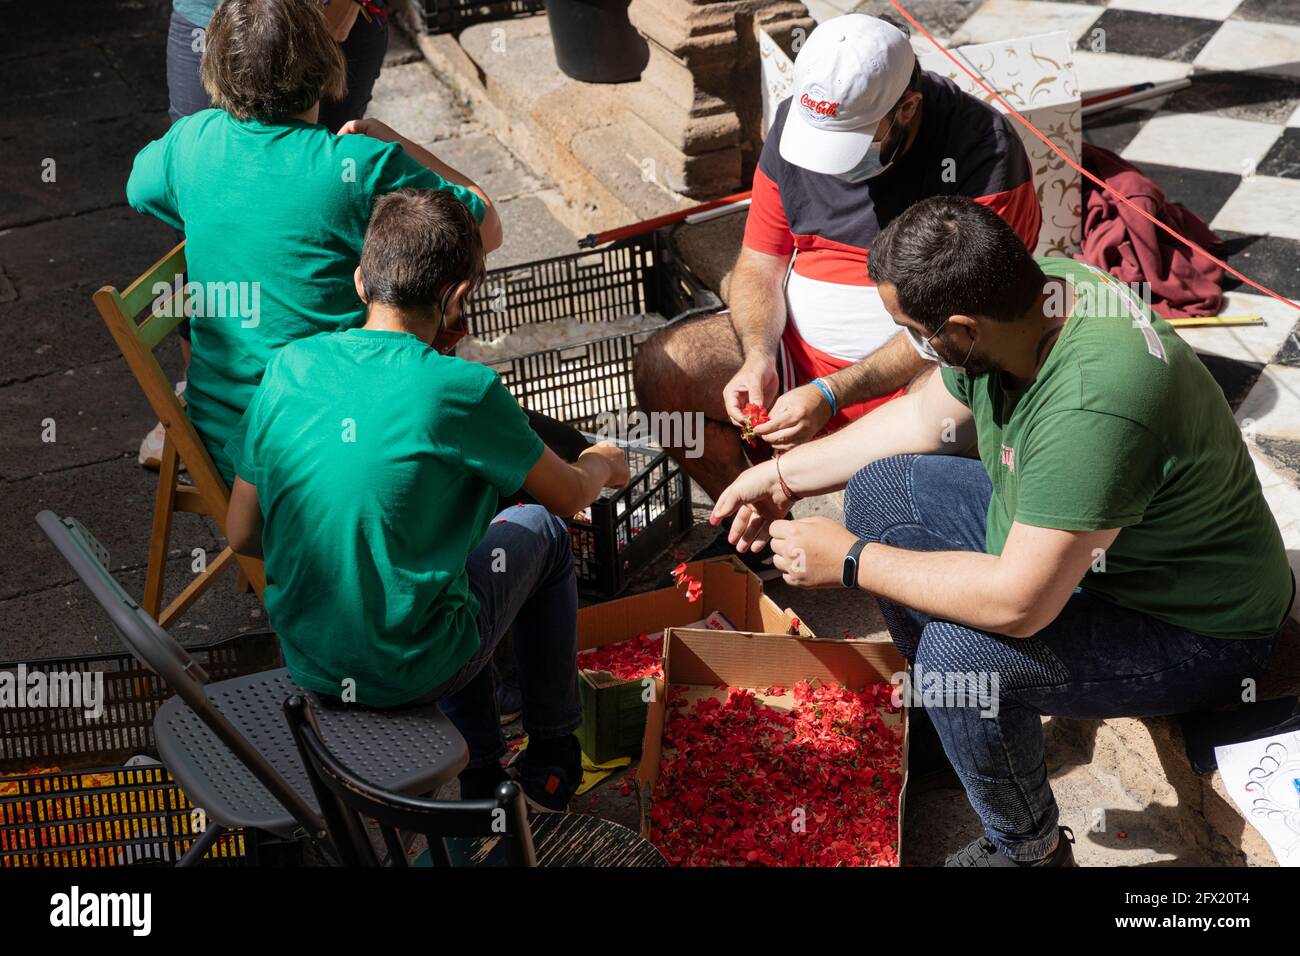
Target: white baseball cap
(848, 75)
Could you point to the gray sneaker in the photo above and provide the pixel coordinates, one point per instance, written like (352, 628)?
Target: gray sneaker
(983, 852)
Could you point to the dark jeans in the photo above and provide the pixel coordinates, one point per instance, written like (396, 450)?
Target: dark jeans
(364, 51)
(1096, 660)
(522, 575)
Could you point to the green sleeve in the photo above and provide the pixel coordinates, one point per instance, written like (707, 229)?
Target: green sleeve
(958, 384)
(149, 189)
(397, 170)
(1087, 471)
(498, 444)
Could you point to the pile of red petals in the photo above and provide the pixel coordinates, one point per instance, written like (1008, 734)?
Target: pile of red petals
(754, 415)
(744, 784)
(642, 656)
(694, 586)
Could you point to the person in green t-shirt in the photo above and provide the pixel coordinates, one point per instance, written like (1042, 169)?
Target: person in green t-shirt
(363, 43)
(369, 469)
(1109, 554)
(273, 205)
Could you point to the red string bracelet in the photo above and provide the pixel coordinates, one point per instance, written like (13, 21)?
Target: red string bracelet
(785, 489)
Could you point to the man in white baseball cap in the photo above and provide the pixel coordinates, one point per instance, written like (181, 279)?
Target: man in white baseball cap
(849, 75)
(865, 134)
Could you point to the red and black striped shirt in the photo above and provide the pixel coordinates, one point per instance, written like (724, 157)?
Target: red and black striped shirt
(963, 147)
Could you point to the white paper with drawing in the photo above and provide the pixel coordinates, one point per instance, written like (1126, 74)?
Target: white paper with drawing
(1263, 777)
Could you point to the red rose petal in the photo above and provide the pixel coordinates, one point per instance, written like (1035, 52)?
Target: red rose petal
(642, 656)
(753, 415)
(736, 777)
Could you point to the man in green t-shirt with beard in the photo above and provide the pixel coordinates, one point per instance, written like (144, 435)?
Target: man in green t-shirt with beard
(1109, 554)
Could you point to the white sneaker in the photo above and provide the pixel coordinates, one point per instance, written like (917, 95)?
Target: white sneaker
(152, 447)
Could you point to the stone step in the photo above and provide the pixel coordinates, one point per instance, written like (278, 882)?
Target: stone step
(1125, 788)
(1111, 825)
(1144, 760)
(541, 114)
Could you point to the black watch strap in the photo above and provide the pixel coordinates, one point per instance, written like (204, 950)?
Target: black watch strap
(849, 576)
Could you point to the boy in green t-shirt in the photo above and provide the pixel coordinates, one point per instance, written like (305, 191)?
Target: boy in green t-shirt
(273, 205)
(369, 470)
(1110, 554)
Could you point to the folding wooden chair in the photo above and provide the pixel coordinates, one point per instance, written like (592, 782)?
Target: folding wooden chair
(208, 495)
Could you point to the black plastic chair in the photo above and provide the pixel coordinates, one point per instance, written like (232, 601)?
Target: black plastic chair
(460, 832)
(228, 745)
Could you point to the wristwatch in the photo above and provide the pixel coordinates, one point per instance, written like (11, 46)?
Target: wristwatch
(849, 576)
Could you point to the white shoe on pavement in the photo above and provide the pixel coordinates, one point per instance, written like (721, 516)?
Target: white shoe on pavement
(152, 446)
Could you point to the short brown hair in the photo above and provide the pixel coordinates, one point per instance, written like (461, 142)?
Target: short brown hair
(950, 255)
(266, 59)
(420, 244)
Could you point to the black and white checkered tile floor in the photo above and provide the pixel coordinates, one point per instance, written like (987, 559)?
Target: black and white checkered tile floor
(1228, 148)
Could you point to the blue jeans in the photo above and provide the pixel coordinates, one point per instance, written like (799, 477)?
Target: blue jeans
(1096, 660)
(522, 575)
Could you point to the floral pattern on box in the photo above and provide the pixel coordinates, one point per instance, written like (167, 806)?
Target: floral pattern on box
(1035, 75)
(777, 73)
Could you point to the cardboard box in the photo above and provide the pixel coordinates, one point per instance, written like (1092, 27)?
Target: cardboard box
(1036, 76)
(701, 662)
(614, 710)
(613, 707)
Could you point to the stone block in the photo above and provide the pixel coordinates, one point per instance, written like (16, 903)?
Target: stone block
(711, 248)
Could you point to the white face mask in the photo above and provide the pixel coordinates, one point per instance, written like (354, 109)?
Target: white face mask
(922, 346)
(928, 352)
(870, 166)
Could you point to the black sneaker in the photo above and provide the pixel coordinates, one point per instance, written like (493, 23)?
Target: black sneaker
(548, 788)
(983, 852)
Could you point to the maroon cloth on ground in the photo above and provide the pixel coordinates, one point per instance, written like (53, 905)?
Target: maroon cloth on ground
(1133, 249)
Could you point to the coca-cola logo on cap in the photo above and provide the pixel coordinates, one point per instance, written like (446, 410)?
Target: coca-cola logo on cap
(815, 102)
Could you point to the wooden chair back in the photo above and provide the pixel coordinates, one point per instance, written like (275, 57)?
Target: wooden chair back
(160, 312)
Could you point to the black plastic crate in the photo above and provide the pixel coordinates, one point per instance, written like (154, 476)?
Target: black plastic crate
(626, 529)
(448, 16)
(638, 274)
(582, 385)
(95, 810)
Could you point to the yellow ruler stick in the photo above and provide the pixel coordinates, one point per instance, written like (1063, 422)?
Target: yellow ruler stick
(1204, 321)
